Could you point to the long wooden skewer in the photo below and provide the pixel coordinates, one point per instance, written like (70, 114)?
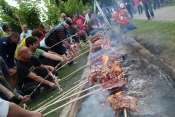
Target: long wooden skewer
(63, 40)
(56, 70)
(71, 89)
(62, 79)
(64, 94)
(71, 102)
(42, 109)
(125, 113)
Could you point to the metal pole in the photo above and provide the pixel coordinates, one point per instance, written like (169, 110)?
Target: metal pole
(94, 6)
(100, 10)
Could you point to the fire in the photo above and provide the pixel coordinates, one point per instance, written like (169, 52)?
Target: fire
(116, 94)
(116, 68)
(105, 59)
(119, 93)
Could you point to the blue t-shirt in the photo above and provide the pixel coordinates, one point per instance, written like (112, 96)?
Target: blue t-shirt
(23, 35)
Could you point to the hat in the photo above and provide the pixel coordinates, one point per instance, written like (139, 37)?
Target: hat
(76, 12)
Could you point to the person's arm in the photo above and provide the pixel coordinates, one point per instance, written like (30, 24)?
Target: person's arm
(17, 111)
(53, 56)
(5, 84)
(11, 58)
(40, 79)
(4, 54)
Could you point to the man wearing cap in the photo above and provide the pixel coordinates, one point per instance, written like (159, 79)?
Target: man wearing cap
(57, 36)
(79, 20)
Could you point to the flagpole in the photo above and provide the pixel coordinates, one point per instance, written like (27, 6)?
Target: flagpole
(17, 16)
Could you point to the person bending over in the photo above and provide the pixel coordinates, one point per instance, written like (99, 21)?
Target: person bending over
(7, 49)
(31, 72)
(33, 43)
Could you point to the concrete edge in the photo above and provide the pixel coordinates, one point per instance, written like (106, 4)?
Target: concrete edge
(143, 52)
(72, 109)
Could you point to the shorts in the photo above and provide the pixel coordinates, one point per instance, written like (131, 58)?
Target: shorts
(4, 108)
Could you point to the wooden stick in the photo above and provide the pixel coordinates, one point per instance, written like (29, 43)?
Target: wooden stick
(75, 71)
(63, 40)
(71, 102)
(125, 113)
(56, 81)
(65, 93)
(73, 88)
(42, 109)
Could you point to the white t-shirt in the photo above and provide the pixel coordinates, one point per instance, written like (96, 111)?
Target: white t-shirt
(122, 5)
(4, 108)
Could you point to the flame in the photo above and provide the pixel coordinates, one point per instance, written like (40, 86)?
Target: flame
(111, 97)
(119, 93)
(116, 68)
(105, 59)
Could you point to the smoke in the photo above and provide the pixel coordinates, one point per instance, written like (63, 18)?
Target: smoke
(96, 105)
(157, 98)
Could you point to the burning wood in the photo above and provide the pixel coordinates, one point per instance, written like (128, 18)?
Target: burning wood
(95, 38)
(119, 102)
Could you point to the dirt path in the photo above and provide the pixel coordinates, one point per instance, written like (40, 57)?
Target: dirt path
(165, 13)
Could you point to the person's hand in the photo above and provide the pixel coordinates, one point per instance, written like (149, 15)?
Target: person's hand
(12, 70)
(53, 85)
(14, 67)
(48, 48)
(25, 98)
(35, 114)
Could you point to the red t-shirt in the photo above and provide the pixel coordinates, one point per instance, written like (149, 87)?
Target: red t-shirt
(79, 22)
(121, 17)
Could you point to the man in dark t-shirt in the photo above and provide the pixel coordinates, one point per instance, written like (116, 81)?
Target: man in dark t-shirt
(31, 72)
(92, 25)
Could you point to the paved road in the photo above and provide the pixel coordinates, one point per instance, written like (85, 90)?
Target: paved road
(165, 13)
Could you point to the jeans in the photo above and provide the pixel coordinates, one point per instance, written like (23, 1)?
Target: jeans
(148, 7)
(128, 7)
(93, 32)
(4, 69)
(139, 9)
(156, 3)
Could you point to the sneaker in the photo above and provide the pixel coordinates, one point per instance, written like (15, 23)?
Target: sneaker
(148, 19)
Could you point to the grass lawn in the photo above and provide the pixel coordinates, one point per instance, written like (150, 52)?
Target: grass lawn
(169, 4)
(158, 37)
(65, 85)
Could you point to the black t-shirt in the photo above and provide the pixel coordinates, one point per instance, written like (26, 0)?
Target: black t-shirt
(90, 24)
(24, 68)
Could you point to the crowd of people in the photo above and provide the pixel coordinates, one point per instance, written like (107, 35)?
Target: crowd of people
(34, 53)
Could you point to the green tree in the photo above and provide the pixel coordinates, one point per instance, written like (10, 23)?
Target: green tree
(7, 14)
(74, 5)
(29, 14)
